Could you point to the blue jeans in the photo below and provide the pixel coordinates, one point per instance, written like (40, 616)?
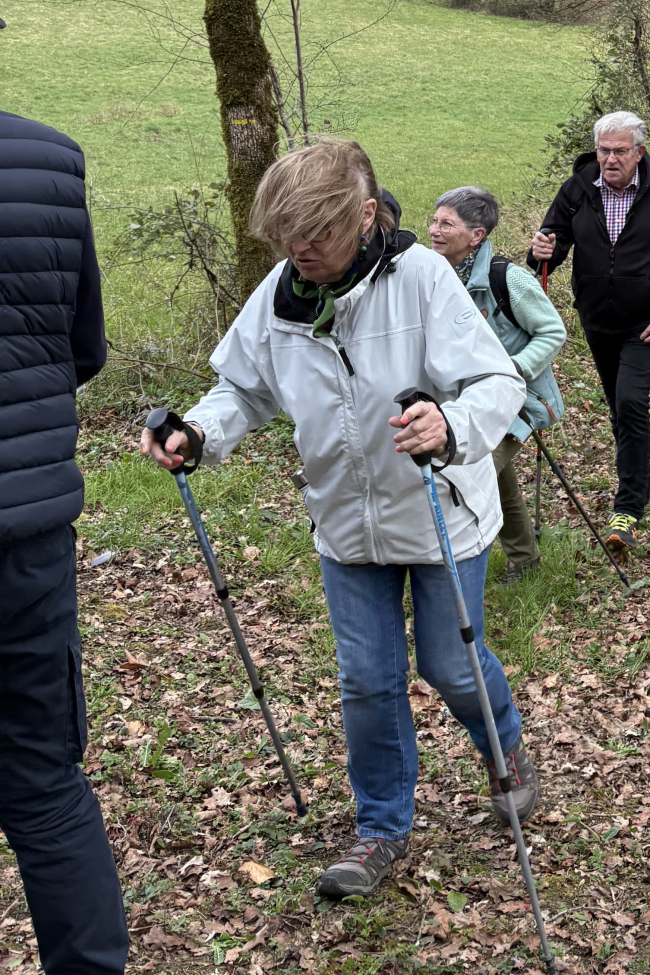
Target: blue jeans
(365, 606)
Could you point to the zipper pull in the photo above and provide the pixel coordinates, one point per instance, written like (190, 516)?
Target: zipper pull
(346, 359)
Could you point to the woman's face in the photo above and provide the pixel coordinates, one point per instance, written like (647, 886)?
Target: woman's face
(326, 259)
(451, 237)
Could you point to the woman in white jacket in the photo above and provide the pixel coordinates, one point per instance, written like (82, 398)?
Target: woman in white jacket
(355, 313)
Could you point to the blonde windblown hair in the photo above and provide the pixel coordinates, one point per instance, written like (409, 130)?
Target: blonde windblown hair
(309, 191)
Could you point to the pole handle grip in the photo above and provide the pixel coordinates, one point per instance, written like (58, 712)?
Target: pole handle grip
(409, 397)
(546, 231)
(162, 424)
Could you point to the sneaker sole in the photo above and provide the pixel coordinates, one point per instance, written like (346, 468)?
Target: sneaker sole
(618, 544)
(334, 889)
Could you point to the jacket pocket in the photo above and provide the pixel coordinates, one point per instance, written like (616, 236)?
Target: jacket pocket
(608, 301)
(77, 732)
(544, 403)
(477, 486)
(631, 298)
(593, 299)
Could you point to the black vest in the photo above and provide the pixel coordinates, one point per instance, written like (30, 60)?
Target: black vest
(42, 224)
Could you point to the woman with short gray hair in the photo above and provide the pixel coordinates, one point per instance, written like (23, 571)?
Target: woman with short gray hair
(531, 331)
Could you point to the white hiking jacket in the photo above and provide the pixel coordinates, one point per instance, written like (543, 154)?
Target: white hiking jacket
(414, 327)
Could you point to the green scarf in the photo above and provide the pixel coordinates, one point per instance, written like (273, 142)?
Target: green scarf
(325, 295)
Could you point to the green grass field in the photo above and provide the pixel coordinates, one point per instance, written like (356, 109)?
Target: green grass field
(439, 97)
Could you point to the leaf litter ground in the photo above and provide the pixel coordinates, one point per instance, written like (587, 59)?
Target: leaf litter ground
(217, 871)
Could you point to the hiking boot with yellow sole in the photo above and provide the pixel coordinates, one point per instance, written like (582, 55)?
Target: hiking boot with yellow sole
(622, 532)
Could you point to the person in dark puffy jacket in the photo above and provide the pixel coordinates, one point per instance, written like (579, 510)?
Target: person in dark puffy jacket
(51, 341)
(603, 212)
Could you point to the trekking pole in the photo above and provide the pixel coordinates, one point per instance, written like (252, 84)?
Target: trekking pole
(559, 473)
(163, 423)
(538, 458)
(405, 399)
(538, 486)
(547, 232)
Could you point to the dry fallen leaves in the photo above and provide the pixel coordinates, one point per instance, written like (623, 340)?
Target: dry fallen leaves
(256, 872)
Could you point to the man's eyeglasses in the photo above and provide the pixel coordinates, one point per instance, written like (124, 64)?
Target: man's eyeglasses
(604, 153)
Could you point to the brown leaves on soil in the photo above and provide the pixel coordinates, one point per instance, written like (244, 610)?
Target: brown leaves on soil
(217, 870)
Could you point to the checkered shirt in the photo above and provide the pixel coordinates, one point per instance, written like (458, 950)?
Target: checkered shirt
(616, 206)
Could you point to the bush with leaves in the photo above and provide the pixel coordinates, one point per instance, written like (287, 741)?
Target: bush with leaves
(194, 235)
(184, 291)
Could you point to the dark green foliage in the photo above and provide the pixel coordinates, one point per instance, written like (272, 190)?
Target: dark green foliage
(248, 120)
(619, 57)
(523, 9)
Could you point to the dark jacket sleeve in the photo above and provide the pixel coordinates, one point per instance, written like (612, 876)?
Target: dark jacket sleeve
(559, 221)
(87, 336)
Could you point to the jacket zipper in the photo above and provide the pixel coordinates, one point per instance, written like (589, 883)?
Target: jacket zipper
(344, 356)
(603, 220)
(350, 370)
(544, 403)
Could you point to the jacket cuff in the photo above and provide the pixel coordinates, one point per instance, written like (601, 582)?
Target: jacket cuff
(522, 368)
(212, 435)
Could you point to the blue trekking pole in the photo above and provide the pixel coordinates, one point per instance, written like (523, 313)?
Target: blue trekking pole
(163, 423)
(405, 399)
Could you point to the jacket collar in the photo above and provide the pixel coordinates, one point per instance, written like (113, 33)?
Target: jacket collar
(479, 279)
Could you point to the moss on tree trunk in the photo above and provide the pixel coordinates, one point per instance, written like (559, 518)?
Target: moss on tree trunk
(248, 118)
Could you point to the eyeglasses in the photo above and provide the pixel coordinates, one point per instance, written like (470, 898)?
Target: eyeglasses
(604, 153)
(444, 226)
(320, 239)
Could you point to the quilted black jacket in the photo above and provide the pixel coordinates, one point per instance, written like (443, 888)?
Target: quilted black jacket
(51, 325)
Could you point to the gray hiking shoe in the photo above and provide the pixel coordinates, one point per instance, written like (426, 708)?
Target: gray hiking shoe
(362, 869)
(524, 782)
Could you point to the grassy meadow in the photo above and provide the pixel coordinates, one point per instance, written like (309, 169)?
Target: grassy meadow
(438, 97)
(188, 784)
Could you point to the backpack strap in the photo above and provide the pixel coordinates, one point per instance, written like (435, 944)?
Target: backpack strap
(499, 287)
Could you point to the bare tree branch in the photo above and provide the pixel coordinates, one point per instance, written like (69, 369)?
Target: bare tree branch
(295, 16)
(279, 101)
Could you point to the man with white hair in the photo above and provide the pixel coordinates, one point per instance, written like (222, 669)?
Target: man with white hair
(603, 211)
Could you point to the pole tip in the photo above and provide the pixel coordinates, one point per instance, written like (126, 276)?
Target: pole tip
(301, 808)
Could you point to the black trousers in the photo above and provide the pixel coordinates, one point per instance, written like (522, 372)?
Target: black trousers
(48, 812)
(623, 363)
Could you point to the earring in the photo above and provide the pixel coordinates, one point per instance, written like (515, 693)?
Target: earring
(363, 244)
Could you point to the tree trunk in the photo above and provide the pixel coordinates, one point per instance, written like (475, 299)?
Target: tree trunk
(640, 54)
(249, 121)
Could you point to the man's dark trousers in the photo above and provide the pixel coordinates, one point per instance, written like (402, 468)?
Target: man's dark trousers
(623, 363)
(48, 812)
